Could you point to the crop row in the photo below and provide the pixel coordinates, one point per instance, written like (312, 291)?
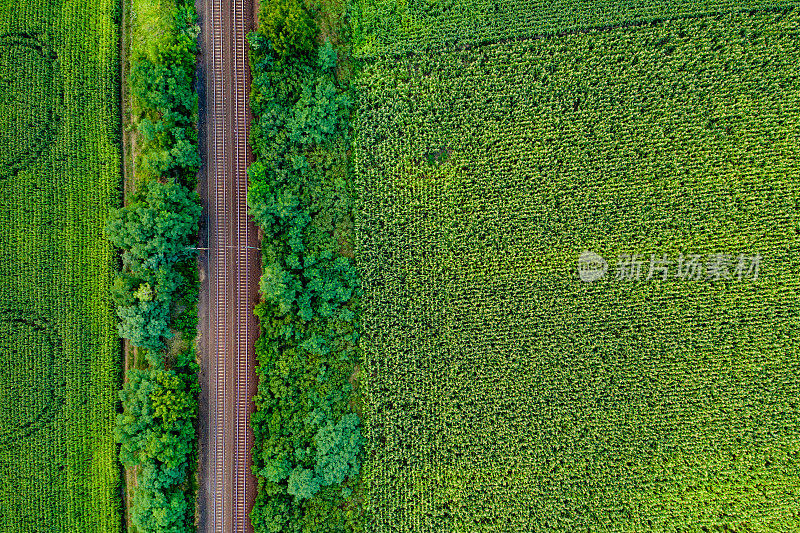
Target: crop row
(400, 27)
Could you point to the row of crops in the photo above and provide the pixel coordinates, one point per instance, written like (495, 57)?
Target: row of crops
(505, 394)
(401, 26)
(59, 353)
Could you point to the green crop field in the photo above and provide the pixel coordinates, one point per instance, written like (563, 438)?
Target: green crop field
(59, 352)
(401, 26)
(503, 393)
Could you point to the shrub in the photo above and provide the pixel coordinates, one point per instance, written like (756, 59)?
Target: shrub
(338, 447)
(288, 26)
(156, 432)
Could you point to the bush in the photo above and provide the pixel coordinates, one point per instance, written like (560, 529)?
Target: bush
(156, 432)
(154, 232)
(288, 26)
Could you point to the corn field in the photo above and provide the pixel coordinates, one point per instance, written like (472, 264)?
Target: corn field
(59, 354)
(503, 393)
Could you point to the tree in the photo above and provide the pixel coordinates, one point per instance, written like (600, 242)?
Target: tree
(145, 323)
(156, 227)
(288, 26)
(303, 484)
(338, 447)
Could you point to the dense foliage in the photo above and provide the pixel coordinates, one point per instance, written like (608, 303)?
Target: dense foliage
(308, 442)
(505, 394)
(289, 27)
(164, 103)
(59, 355)
(157, 435)
(156, 289)
(154, 232)
(157, 432)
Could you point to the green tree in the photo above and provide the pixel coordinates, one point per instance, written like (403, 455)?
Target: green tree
(155, 228)
(288, 26)
(303, 484)
(338, 448)
(145, 323)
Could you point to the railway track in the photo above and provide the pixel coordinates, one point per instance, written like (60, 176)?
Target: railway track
(232, 265)
(219, 261)
(244, 347)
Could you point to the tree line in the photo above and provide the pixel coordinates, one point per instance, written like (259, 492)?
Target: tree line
(308, 442)
(156, 287)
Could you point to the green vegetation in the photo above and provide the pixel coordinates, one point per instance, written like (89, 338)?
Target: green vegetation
(157, 435)
(59, 356)
(504, 394)
(308, 442)
(156, 289)
(154, 232)
(164, 104)
(288, 26)
(384, 27)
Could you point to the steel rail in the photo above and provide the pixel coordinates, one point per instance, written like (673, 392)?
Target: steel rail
(219, 266)
(242, 270)
(230, 254)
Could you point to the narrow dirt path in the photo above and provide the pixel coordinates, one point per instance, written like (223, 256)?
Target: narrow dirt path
(231, 267)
